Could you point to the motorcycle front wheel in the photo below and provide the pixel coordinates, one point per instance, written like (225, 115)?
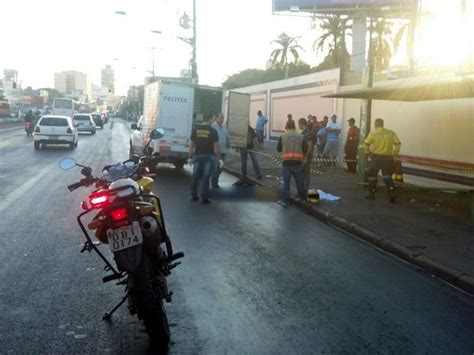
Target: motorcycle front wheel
(150, 306)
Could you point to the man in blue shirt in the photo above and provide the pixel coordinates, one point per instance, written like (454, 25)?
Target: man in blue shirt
(260, 128)
(224, 144)
(333, 130)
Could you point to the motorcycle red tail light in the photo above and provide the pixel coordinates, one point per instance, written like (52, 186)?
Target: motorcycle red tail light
(99, 200)
(147, 170)
(119, 214)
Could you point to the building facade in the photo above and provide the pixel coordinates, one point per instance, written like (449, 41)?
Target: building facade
(108, 79)
(73, 83)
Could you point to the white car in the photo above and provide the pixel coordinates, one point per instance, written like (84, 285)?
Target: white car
(84, 122)
(55, 130)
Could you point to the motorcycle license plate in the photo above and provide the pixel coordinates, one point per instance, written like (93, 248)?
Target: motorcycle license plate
(125, 237)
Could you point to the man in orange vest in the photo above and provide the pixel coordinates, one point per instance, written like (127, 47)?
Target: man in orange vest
(292, 147)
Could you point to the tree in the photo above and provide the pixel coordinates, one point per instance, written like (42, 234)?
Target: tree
(287, 45)
(334, 36)
(52, 94)
(385, 45)
(382, 31)
(244, 78)
(250, 77)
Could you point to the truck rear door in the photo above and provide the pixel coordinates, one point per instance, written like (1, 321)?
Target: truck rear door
(238, 116)
(175, 117)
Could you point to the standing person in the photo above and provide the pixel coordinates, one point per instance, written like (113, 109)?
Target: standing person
(381, 146)
(322, 137)
(251, 138)
(292, 147)
(308, 138)
(203, 149)
(333, 129)
(260, 128)
(289, 118)
(351, 146)
(224, 145)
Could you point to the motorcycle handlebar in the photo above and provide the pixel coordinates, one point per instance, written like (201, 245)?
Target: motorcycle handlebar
(74, 186)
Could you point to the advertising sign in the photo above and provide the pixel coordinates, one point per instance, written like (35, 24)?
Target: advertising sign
(287, 5)
(238, 119)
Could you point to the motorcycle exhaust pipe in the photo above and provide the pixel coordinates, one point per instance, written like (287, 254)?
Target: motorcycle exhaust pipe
(149, 225)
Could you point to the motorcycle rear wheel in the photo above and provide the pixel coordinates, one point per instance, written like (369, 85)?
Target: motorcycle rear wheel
(150, 307)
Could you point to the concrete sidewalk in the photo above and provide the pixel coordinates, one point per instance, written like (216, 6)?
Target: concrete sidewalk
(429, 229)
(6, 122)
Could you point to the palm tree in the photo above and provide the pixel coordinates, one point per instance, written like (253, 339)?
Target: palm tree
(381, 41)
(287, 45)
(334, 36)
(384, 44)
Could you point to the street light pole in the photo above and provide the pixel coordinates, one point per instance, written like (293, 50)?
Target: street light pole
(194, 74)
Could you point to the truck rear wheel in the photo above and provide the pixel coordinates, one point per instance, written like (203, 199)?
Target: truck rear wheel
(179, 164)
(131, 155)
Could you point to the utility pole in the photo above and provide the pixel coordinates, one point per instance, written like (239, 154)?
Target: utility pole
(194, 74)
(184, 23)
(366, 106)
(153, 64)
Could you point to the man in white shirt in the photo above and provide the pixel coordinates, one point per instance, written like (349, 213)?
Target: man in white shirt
(224, 143)
(333, 130)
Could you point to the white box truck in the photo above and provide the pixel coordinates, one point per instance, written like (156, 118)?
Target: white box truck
(175, 107)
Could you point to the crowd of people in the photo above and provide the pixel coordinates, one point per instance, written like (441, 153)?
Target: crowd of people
(301, 141)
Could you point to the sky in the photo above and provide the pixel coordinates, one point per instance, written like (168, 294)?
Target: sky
(43, 37)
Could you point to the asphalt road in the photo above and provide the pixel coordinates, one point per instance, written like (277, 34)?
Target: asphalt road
(257, 278)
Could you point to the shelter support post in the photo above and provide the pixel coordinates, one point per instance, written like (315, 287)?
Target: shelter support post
(471, 204)
(366, 107)
(365, 122)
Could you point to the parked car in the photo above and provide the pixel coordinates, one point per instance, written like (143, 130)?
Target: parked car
(98, 120)
(84, 122)
(105, 117)
(55, 130)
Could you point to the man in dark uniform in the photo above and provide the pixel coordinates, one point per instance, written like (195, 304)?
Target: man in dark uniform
(205, 151)
(351, 146)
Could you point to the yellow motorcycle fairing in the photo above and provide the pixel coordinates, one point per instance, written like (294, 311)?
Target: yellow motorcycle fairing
(146, 182)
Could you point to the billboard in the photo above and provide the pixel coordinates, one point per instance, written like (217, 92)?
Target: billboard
(337, 5)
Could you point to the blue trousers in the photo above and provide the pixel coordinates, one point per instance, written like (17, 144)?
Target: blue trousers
(202, 169)
(297, 172)
(217, 172)
(253, 157)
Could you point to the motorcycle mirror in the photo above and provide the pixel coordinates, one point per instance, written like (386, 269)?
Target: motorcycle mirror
(157, 133)
(67, 163)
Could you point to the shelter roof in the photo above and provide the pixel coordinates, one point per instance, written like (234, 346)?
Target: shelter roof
(416, 89)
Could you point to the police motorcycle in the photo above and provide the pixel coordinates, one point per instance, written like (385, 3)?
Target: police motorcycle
(129, 218)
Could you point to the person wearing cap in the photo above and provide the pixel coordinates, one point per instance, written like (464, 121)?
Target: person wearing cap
(333, 130)
(381, 147)
(351, 146)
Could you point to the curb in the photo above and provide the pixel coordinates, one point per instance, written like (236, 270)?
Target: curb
(5, 124)
(449, 274)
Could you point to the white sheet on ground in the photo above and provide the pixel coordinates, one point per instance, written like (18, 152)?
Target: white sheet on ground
(328, 197)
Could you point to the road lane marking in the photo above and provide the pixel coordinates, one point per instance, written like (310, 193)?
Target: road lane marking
(23, 188)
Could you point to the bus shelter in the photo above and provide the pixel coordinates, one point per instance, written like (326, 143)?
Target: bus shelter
(418, 89)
